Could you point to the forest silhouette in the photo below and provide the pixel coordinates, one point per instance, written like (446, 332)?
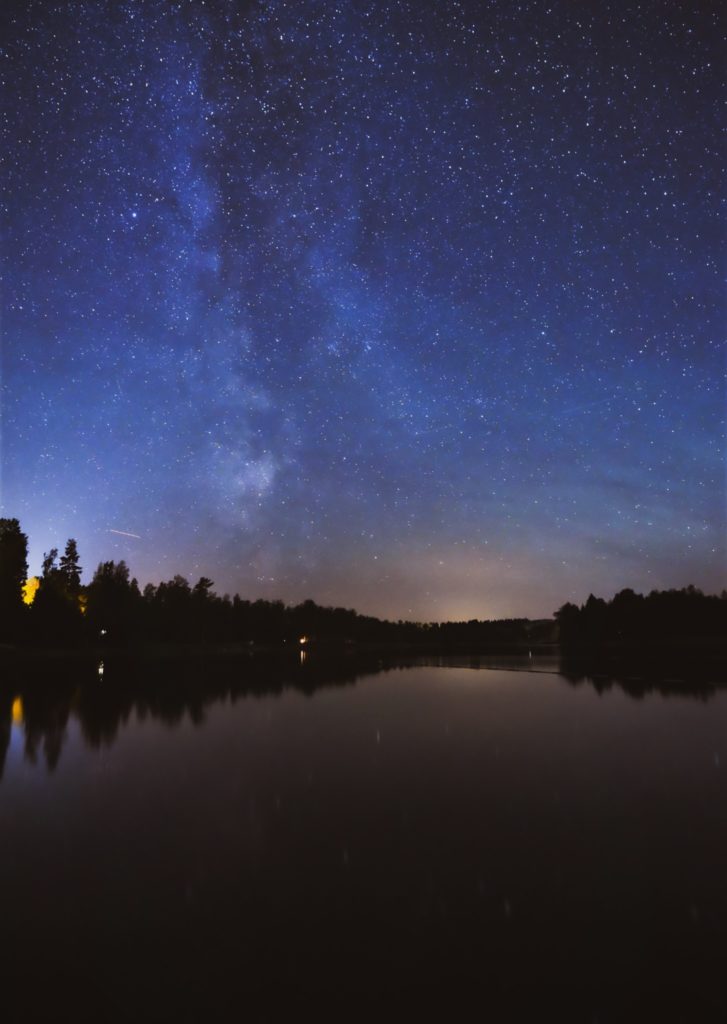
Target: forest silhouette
(56, 611)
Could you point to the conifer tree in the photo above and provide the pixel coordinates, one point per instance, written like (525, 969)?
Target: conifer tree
(70, 569)
(49, 567)
(13, 573)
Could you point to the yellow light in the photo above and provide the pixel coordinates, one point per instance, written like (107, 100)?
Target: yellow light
(304, 640)
(30, 589)
(83, 603)
(17, 711)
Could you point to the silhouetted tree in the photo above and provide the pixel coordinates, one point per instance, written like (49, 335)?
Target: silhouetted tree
(70, 569)
(13, 573)
(49, 564)
(661, 620)
(202, 588)
(113, 604)
(55, 614)
(567, 617)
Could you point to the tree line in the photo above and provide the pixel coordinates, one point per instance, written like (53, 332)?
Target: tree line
(630, 620)
(57, 610)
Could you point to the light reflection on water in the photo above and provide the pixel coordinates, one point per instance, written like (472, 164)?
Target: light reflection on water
(228, 838)
(16, 711)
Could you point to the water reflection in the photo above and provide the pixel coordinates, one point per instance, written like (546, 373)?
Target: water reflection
(40, 698)
(639, 679)
(17, 711)
(434, 837)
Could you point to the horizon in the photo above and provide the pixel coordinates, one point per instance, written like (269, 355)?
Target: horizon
(36, 577)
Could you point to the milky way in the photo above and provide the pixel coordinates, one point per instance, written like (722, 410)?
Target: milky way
(410, 307)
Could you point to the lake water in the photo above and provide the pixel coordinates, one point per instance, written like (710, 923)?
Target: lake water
(227, 840)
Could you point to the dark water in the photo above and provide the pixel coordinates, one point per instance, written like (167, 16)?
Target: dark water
(224, 842)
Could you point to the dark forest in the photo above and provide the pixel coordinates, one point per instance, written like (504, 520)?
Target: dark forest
(58, 611)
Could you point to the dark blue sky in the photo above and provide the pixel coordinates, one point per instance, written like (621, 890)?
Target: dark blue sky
(411, 307)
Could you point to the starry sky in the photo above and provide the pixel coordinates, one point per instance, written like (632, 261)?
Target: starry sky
(414, 308)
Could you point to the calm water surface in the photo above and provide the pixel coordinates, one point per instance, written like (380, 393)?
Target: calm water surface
(410, 843)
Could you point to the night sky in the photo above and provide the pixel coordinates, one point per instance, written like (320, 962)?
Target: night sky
(415, 308)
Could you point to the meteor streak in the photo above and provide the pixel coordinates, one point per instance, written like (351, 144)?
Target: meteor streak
(123, 533)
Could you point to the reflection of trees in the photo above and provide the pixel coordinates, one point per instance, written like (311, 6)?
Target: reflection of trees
(6, 719)
(172, 690)
(169, 690)
(639, 678)
(101, 711)
(45, 718)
